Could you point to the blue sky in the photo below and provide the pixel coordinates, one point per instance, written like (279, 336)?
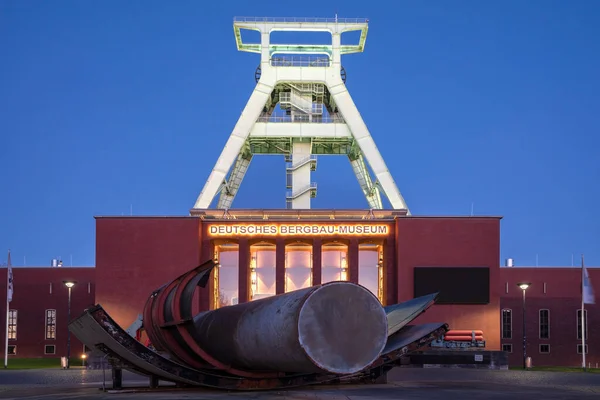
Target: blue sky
(110, 105)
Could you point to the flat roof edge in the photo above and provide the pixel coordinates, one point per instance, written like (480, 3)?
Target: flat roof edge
(391, 216)
(143, 216)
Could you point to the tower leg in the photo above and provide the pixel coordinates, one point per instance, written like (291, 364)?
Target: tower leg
(365, 142)
(235, 180)
(236, 140)
(363, 176)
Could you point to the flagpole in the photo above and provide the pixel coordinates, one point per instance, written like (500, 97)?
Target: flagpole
(6, 333)
(7, 308)
(582, 314)
(9, 289)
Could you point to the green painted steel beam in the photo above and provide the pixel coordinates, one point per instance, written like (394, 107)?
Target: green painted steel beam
(241, 46)
(300, 48)
(320, 146)
(360, 47)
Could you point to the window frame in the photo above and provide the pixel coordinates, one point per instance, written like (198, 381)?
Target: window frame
(13, 319)
(49, 325)
(544, 352)
(510, 336)
(46, 352)
(578, 320)
(540, 323)
(510, 346)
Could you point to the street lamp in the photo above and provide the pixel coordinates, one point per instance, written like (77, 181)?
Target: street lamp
(69, 285)
(524, 286)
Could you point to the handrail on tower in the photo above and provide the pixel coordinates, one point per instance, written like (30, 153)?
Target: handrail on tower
(302, 19)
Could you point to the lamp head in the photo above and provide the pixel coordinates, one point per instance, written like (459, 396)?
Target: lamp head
(524, 285)
(69, 284)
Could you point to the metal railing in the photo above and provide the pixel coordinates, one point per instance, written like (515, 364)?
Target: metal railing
(285, 97)
(315, 88)
(290, 195)
(299, 61)
(298, 163)
(302, 19)
(291, 99)
(316, 119)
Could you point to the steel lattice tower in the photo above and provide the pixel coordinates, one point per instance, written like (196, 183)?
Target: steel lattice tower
(307, 82)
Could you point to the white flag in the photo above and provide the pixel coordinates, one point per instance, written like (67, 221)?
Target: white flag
(9, 281)
(588, 291)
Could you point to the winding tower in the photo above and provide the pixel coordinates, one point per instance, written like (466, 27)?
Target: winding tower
(307, 83)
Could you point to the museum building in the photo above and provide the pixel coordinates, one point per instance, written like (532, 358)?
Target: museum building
(266, 252)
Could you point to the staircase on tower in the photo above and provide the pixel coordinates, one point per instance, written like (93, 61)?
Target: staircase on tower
(306, 83)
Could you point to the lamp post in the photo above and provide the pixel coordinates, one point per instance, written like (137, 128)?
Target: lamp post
(69, 285)
(524, 286)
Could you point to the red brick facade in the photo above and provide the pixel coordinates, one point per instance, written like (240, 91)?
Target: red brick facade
(452, 242)
(37, 290)
(168, 246)
(136, 255)
(557, 290)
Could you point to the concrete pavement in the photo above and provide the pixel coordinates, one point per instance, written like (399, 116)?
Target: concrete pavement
(405, 383)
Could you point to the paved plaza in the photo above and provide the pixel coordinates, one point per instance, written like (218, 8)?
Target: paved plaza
(404, 384)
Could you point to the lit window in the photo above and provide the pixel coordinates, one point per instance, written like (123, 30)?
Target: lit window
(262, 270)
(226, 275)
(12, 325)
(334, 265)
(370, 268)
(298, 266)
(50, 324)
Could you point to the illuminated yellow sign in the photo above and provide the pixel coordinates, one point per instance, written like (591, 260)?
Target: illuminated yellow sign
(298, 229)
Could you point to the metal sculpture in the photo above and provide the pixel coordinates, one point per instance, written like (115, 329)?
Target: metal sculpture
(334, 332)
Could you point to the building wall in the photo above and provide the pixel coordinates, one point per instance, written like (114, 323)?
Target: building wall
(33, 295)
(559, 291)
(144, 253)
(136, 255)
(452, 242)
